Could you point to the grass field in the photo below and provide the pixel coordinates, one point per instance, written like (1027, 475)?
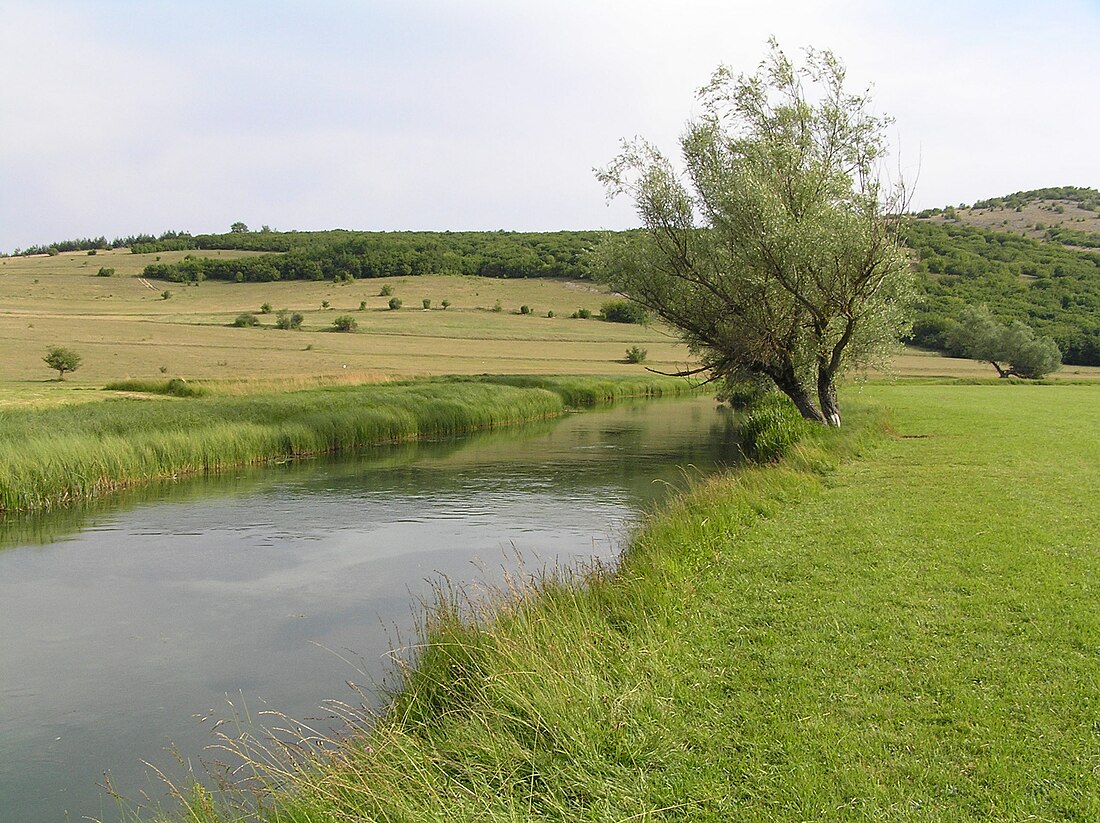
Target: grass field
(896, 626)
(124, 329)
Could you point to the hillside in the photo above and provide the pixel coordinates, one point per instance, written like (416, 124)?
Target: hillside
(1031, 256)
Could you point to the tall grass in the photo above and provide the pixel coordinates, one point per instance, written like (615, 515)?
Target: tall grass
(57, 456)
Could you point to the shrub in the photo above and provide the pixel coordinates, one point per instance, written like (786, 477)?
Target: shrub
(91, 252)
(525, 309)
(445, 304)
(550, 313)
(623, 311)
(427, 303)
(246, 320)
(362, 305)
(771, 429)
(385, 291)
(741, 393)
(164, 295)
(498, 307)
(636, 355)
(345, 322)
(105, 272)
(265, 308)
(284, 319)
(395, 303)
(324, 304)
(581, 314)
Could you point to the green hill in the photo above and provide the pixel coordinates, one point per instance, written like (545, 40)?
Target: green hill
(1032, 256)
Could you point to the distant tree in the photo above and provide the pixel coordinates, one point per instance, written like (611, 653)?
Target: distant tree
(265, 308)
(426, 303)
(238, 228)
(1014, 350)
(246, 320)
(105, 272)
(395, 303)
(445, 304)
(165, 295)
(636, 354)
(62, 359)
(345, 322)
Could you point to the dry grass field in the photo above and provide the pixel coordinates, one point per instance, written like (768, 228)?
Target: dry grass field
(1032, 220)
(124, 328)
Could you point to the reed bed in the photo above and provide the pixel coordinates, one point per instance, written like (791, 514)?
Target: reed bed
(58, 456)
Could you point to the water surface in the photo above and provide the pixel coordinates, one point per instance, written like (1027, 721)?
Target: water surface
(122, 623)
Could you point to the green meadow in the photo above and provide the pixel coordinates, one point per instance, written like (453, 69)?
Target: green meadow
(898, 622)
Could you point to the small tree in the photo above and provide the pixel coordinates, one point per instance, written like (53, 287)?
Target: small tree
(62, 359)
(104, 271)
(445, 304)
(246, 320)
(265, 308)
(636, 355)
(426, 303)
(345, 322)
(395, 303)
(385, 291)
(238, 228)
(1014, 350)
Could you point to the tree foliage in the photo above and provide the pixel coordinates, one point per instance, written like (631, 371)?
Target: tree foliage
(62, 359)
(782, 258)
(1052, 289)
(1014, 349)
(346, 255)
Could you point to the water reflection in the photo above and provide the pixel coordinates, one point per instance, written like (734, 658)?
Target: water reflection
(123, 620)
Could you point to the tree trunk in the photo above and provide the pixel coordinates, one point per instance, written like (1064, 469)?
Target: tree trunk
(826, 396)
(788, 383)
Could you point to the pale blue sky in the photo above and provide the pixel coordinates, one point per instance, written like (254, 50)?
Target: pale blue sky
(125, 117)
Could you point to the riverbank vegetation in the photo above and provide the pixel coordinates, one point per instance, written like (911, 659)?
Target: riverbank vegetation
(899, 622)
(56, 456)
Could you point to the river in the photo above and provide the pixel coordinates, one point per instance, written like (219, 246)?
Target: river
(122, 624)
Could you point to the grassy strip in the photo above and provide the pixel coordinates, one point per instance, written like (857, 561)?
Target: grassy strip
(57, 456)
(908, 636)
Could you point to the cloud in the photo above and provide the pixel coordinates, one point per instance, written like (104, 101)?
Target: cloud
(486, 114)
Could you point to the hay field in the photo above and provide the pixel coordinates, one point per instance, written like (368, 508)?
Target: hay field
(123, 327)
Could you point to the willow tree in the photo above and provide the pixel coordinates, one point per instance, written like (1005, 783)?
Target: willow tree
(774, 252)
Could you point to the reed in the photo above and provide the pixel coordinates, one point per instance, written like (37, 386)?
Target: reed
(58, 456)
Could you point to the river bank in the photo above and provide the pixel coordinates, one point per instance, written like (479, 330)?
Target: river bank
(899, 622)
(62, 455)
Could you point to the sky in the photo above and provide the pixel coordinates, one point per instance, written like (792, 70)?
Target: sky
(133, 117)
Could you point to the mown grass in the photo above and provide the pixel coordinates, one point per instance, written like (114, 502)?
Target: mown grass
(886, 626)
(55, 456)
